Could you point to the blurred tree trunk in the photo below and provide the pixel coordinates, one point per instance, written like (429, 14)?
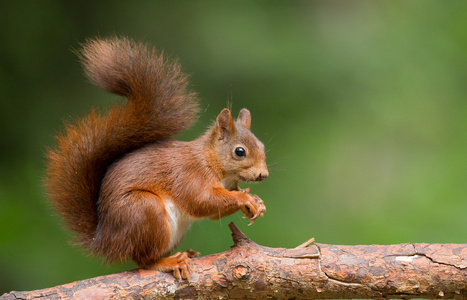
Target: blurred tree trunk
(321, 271)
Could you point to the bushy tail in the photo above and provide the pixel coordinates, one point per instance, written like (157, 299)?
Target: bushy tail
(158, 106)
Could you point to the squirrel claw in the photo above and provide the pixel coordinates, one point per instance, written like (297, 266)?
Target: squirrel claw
(253, 219)
(192, 253)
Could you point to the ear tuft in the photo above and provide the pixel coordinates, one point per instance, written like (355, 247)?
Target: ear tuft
(244, 118)
(225, 124)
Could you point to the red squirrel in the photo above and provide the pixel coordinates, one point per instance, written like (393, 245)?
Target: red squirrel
(125, 186)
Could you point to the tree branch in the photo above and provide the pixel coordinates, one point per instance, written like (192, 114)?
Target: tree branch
(322, 271)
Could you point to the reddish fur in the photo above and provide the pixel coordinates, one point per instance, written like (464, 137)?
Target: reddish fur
(109, 174)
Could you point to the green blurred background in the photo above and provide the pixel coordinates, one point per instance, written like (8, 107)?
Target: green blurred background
(361, 104)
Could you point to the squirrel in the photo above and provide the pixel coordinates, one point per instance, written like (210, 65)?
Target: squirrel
(124, 185)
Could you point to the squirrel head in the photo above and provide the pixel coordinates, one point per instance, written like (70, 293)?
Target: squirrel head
(240, 154)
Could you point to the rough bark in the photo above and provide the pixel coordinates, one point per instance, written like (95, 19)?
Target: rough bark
(316, 271)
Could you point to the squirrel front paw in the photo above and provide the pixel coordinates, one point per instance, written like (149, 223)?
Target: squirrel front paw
(253, 207)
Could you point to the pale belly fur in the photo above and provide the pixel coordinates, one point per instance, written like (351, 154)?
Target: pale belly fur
(178, 221)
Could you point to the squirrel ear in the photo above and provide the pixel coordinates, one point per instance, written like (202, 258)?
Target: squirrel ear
(225, 124)
(244, 118)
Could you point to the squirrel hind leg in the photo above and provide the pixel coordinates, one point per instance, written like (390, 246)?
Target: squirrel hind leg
(178, 264)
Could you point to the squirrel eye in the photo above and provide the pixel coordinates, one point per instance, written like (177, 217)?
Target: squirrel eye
(240, 152)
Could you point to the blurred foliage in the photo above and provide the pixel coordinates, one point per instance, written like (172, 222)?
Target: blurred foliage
(361, 104)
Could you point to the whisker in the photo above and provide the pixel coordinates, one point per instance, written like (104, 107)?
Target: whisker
(206, 109)
(271, 138)
(272, 171)
(273, 163)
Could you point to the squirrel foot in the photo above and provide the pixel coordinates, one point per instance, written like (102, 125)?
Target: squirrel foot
(178, 263)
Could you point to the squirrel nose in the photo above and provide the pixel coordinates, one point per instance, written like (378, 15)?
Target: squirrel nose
(262, 176)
